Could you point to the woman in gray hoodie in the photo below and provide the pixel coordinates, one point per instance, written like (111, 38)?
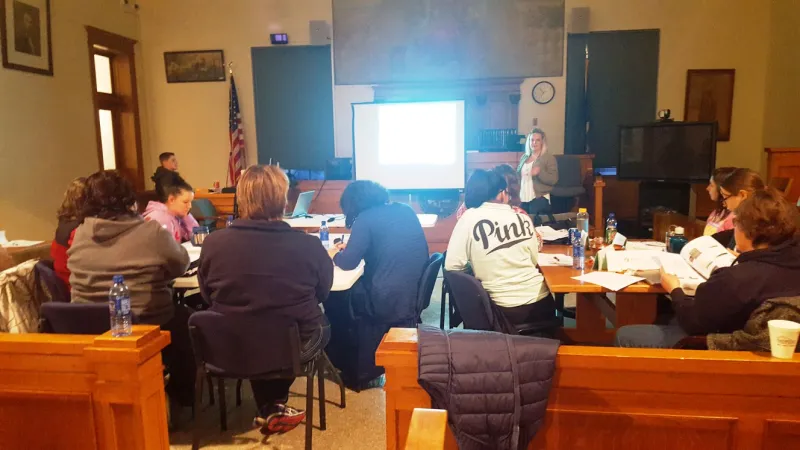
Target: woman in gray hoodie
(114, 240)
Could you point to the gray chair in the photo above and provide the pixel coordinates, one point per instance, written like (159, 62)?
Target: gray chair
(569, 189)
(205, 213)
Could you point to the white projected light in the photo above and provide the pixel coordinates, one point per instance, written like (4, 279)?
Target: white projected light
(416, 145)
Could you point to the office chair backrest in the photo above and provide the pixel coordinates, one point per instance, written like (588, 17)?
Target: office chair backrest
(74, 318)
(245, 346)
(472, 301)
(428, 281)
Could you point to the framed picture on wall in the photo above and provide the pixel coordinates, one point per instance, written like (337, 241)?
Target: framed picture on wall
(194, 66)
(709, 98)
(25, 36)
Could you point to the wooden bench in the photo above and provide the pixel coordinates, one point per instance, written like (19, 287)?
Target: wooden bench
(83, 392)
(609, 398)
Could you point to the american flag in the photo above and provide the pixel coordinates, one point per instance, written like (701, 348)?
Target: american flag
(236, 160)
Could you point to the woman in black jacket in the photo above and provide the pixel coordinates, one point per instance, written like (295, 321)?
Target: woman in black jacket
(261, 267)
(767, 268)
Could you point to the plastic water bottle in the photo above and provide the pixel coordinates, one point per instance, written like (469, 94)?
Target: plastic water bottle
(677, 241)
(611, 228)
(583, 223)
(325, 235)
(229, 222)
(578, 256)
(119, 305)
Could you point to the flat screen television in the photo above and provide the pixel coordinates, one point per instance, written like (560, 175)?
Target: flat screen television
(668, 151)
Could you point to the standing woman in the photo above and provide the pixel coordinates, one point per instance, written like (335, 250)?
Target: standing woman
(538, 174)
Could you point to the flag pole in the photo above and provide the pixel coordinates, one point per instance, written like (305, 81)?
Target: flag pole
(228, 168)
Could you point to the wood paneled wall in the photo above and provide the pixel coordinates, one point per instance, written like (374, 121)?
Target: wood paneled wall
(83, 392)
(785, 162)
(620, 399)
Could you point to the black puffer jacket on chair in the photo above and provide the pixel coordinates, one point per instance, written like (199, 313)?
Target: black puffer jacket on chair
(494, 386)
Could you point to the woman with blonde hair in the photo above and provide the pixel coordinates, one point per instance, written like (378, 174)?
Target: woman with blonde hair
(261, 267)
(538, 171)
(69, 217)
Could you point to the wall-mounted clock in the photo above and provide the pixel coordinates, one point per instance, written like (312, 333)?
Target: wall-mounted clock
(543, 93)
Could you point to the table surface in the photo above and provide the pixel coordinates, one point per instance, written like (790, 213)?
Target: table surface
(559, 279)
(314, 221)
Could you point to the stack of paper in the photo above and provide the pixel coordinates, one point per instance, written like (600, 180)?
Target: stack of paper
(554, 260)
(609, 280)
(550, 235)
(20, 243)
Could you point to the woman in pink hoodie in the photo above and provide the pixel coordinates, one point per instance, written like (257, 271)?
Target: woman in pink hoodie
(172, 210)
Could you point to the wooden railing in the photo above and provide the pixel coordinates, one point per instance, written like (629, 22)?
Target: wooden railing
(610, 398)
(427, 429)
(83, 392)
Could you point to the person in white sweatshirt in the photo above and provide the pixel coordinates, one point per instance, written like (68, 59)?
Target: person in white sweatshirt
(501, 247)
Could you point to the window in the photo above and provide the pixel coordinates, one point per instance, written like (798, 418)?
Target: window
(116, 104)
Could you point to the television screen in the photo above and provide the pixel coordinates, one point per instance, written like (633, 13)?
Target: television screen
(410, 146)
(672, 151)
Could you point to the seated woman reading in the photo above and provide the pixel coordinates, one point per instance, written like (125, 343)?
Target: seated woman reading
(721, 218)
(767, 268)
(389, 239)
(114, 240)
(68, 220)
(261, 267)
(733, 190)
(502, 248)
(172, 210)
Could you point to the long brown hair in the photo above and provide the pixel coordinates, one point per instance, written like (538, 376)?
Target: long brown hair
(743, 180)
(74, 197)
(719, 176)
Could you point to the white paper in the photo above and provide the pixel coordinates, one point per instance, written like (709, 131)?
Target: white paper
(554, 260)
(550, 235)
(706, 255)
(609, 280)
(20, 243)
(623, 261)
(619, 239)
(645, 245)
(194, 252)
(675, 265)
(3, 239)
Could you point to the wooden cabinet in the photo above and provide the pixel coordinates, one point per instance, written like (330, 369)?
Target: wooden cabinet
(785, 162)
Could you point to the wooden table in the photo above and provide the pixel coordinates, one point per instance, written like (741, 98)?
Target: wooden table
(21, 254)
(636, 304)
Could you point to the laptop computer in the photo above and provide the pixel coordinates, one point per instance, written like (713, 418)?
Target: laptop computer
(302, 205)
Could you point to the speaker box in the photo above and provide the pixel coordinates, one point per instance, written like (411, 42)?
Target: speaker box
(320, 32)
(579, 20)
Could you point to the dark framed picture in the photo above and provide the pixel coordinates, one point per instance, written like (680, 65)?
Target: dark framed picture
(709, 98)
(194, 66)
(25, 36)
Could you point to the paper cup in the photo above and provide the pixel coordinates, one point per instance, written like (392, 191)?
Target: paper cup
(783, 338)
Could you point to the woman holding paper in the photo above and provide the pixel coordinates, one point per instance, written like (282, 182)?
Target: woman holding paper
(768, 268)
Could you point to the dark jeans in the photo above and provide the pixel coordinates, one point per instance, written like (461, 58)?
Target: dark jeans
(539, 311)
(355, 336)
(649, 336)
(537, 206)
(179, 358)
(268, 393)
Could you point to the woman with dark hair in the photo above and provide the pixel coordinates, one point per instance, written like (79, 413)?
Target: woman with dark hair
(172, 208)
(388, 237)
(69, 214)
(502, 249)
(114, 240)
(479, 192)
(721, 218)
(733, 190)
(767, 268)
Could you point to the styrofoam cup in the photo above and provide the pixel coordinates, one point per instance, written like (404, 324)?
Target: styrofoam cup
(783, 336)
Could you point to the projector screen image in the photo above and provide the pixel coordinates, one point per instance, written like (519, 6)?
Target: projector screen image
(409, 146)
(677, 151)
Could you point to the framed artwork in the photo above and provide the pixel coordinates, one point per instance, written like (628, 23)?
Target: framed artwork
(25, 36)
(194, 66)
(709, 98)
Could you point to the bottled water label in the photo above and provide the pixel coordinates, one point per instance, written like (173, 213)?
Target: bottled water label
(122, 306)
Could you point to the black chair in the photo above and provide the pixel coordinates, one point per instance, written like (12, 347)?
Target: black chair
(266, 348)
(75, 318)
(46, 276)
(569, 189)
(479, 312)
(427, 283)
(449, 308)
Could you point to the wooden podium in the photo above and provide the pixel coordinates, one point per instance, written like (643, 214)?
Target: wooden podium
(83, 392)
